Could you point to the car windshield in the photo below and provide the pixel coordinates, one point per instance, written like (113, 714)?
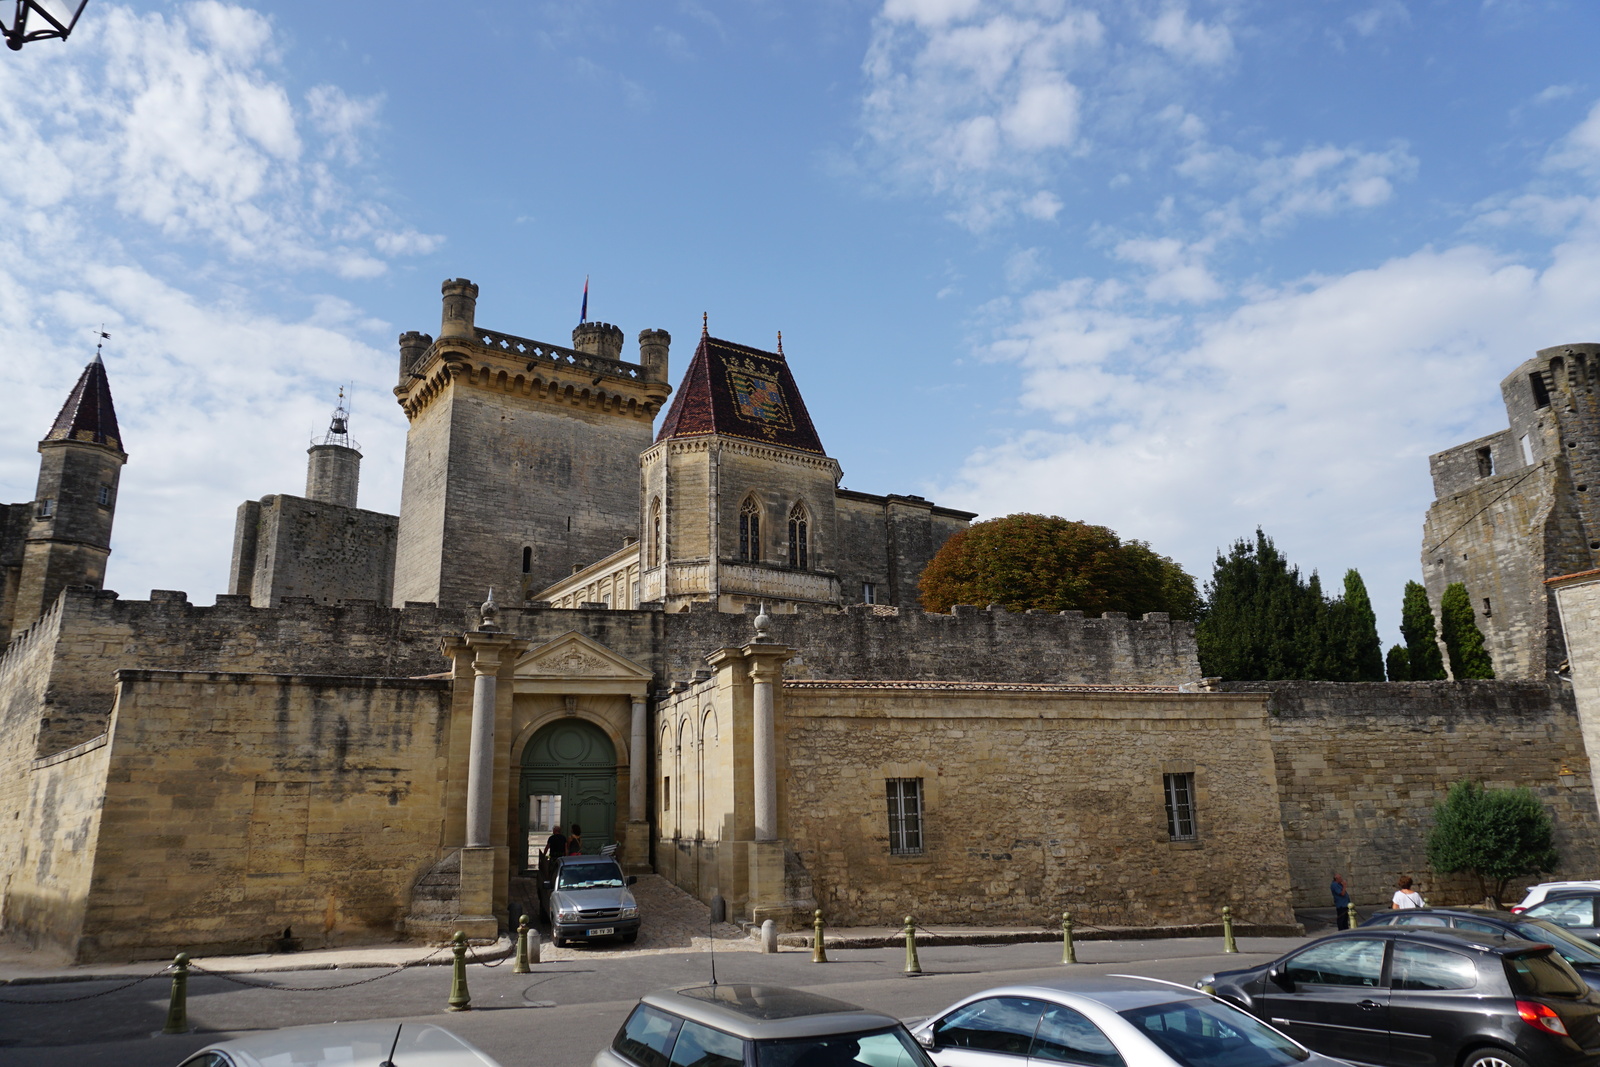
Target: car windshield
(1574, 949)
(877, 1048)
(1544, 974)
(1204, 1033)
(589, 876)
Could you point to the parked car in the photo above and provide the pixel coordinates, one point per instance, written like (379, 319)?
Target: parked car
(345, 1045)
(762, 1026)
(586, 897)
(1104, 1021)
(1402, 996)
(1571, 909)
(1583, 955)
(1537, 893)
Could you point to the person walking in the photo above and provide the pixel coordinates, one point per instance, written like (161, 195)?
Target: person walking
(555, 846)
(1405, 896)
(1341, 902)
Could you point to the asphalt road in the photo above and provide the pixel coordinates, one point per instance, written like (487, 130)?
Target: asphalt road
(558, 1016)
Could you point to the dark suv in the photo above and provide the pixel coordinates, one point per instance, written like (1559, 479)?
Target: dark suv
(1407, 997)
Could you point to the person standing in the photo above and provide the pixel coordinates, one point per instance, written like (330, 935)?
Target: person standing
(1341, 902)
(555, 846)
(575, 841)
(1405, 896)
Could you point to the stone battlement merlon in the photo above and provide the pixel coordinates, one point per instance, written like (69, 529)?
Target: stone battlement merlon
(557, 355)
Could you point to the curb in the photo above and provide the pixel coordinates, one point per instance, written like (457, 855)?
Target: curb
(1021, 937)
(501, 950)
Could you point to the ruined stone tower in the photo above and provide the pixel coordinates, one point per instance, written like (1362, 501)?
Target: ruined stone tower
(64, 535)
(521, 457)
(1522, 505)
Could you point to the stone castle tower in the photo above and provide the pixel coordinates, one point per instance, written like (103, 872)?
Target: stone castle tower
(1520, 506)
(63, 537)
(521, 457)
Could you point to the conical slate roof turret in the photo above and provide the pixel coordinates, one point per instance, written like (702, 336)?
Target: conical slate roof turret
(737, 391)
(88, 415)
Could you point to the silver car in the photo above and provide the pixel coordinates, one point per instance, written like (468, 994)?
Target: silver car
(345, 1045)
(587, 897)
(757, 1026)
(1105, 1021)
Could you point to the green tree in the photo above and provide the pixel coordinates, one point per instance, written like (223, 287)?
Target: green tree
(1494, 834)
(1362, 652)
(1463, 641)
(1422, 640)
(1398, 663)
(1043, 561)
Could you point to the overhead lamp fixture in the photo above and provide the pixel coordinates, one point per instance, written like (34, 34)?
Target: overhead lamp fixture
(58, 16)
(1565, 775)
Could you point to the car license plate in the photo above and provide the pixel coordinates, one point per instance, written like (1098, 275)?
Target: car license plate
(600, 931)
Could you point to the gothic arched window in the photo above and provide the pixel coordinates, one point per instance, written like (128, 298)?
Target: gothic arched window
(655, 534)
(799, 537)
(749, 531)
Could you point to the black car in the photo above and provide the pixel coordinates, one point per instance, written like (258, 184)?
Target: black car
(1573, 910)
(1583, 955)
(1400, 996)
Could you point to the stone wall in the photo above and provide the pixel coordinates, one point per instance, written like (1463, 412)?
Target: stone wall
(239, 805)
(1361, 767)
(289, 546)
(1034, 802)
(889, 541)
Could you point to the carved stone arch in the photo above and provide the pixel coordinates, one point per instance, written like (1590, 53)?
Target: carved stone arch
(618, 739)
(709, 732)
(802, 550)
(750, 527)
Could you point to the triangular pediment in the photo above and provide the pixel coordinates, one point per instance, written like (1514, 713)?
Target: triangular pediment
(573, 655)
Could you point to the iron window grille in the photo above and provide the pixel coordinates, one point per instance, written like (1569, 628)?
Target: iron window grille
(905, 816)
(1180, 806)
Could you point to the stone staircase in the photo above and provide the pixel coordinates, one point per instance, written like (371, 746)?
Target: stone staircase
(435, 901)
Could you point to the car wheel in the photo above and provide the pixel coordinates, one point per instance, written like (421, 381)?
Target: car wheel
(1494, 1057)
(559, 942)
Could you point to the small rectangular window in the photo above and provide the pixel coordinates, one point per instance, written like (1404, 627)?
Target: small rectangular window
(1486, 609)
(1541, 395)
(1180, 806)
(47, 508)
(666, 793)
(1527, 450)
(1485, 462)
(869, 593)
(905, 816)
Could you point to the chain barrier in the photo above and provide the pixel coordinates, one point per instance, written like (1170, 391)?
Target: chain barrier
(90, 996)
(479, 960)
(236, 980)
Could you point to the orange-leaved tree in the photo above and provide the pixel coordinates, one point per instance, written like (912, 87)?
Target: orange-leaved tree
(1043, 561)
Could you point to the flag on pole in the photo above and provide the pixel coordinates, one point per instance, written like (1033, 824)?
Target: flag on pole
(583, 315)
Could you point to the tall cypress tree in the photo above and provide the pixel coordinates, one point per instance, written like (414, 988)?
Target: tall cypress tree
(1399, 664)
(1462, 638)
(1362, 652)
(1422, 640)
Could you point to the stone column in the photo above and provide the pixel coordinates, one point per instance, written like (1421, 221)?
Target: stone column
(480, 755)
(638, 763)
(763, 675)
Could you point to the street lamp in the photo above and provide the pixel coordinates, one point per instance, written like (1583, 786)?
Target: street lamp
(61, 16)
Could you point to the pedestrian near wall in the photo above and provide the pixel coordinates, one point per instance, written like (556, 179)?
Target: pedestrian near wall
(575, 841)
(555, 846)
(1405, 896)
(1341, 902)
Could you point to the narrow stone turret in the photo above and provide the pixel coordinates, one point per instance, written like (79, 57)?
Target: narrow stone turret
(333, 474)
(460, 308)
(598, 339)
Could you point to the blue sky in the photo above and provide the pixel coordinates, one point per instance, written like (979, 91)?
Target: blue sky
(1181, 269)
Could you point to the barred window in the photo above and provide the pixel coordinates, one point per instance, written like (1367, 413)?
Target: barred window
(1180, 806)
(905, 816)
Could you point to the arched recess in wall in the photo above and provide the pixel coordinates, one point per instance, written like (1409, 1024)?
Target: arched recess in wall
(799, 536)
(708, 759)
(750, 530)
(653, 549)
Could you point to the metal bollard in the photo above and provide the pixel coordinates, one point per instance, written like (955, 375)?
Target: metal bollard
(912, 965)
(460, 999)
(818, 953)
(521, 966)
(1351, 908)
(1228, 944)
(178, 1008)
(1069, 954)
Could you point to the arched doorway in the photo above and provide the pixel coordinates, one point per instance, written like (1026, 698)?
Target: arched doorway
(569, 775)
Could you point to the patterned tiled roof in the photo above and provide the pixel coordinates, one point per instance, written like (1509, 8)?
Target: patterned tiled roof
(742, 392)
(88, 414)
(975, 687)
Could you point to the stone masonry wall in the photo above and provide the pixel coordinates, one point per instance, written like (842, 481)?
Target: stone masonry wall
(1033, 803)
(301, 547)
(1361, 767)
(238, 805)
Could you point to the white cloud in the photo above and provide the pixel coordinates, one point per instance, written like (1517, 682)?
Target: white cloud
(1371, 21)
(1192, 40)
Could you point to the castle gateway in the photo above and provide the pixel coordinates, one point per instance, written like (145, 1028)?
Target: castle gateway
(700, 647)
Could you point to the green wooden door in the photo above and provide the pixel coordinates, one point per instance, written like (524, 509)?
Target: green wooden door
(569, 773)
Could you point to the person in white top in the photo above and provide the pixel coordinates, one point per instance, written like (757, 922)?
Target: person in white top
(1405, 896)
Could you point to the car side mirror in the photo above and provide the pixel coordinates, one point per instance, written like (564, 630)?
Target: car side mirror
(632, 878)
(1281, 979)
(925, 1038)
